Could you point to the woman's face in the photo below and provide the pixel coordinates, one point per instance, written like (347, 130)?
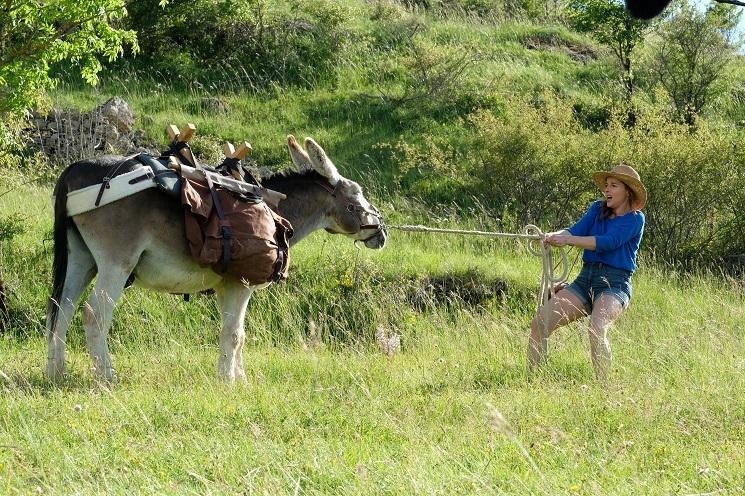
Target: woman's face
(616, 194)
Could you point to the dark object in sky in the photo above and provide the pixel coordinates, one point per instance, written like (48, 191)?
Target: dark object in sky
(646, 9)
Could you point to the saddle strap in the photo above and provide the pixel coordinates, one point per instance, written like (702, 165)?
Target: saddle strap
(224, 225)
(106, 183)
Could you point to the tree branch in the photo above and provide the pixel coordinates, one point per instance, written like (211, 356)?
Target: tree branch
(732, 2)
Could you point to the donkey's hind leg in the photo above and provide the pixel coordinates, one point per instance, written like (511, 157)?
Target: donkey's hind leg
(81, 268)
(97, 317)
(232, 299)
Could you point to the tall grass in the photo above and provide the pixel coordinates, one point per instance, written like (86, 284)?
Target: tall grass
(452, 412)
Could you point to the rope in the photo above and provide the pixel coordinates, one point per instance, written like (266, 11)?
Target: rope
(531, 234)
(420, 228)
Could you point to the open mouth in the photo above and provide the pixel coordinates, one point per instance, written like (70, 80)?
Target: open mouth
(377, 240)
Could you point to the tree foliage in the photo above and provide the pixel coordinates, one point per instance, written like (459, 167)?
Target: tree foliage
(34, 34)
(246, 43)
(693, 55)
(608, 22)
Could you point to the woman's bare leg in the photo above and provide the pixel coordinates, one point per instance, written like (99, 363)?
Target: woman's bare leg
(606, 309)
(563, 308)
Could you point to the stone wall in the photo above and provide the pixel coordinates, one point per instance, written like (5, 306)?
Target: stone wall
(66, 135)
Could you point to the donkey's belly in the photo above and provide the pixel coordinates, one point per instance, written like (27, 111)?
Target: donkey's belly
(174, 273)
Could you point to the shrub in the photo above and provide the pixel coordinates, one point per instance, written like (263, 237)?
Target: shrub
(695, 184)
(500, 9)
(434, 81)
(534, 163)
(250, 44)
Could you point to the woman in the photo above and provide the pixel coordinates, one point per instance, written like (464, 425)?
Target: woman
(610, 233)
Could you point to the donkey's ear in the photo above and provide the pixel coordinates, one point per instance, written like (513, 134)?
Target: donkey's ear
(321, 163)
(299, 157)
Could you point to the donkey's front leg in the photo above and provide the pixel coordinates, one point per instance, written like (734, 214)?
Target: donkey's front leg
(97, 316)
(232, 298)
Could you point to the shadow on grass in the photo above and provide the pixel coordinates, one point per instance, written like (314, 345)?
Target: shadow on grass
(501, 376)
(36, 382)
(562, 372)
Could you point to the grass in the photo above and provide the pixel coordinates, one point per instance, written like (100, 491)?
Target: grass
(453, 413)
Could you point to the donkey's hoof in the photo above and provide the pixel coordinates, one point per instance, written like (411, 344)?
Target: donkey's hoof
(105, 375)
(226, 374)
(240, 375)
(56, 370)
(227, 378)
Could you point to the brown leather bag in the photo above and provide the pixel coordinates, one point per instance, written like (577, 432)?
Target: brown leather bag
(251, 241)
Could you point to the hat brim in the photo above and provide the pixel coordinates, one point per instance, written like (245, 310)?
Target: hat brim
(640, 192)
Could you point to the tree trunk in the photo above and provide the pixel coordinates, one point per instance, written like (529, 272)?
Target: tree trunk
(628, 82)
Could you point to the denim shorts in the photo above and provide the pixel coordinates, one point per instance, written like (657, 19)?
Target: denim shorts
(597, 278)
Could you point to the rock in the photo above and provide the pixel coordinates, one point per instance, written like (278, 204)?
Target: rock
(214, 105)
(117, 113)
(66, 135)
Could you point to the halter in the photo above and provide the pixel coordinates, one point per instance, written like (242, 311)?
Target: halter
(359, 208)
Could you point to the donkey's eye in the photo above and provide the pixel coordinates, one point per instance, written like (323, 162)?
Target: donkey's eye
(350, 208)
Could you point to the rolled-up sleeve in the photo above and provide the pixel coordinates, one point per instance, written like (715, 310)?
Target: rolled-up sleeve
(622, 231)
(584, 224)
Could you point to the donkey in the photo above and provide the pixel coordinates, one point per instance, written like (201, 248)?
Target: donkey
(140, 239)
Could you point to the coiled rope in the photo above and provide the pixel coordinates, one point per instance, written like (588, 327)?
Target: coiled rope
(535, 246)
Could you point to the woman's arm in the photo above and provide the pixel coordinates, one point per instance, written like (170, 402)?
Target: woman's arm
(583, 226)
(562, 238)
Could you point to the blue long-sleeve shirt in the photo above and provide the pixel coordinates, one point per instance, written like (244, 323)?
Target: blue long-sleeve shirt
(616, 240)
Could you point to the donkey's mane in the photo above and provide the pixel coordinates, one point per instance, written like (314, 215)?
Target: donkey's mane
(290, 179)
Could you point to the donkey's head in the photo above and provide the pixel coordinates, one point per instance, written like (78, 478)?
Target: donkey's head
(348, 211)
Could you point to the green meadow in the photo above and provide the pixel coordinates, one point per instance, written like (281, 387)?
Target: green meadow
(450, 118)
(326, 412)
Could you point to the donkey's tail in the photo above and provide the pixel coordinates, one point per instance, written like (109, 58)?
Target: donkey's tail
(59, 266)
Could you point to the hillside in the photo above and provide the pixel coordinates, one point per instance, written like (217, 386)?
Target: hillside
(446, 106)
(467, 114)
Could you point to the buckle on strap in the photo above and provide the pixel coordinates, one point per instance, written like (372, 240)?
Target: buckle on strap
(104, 186)
(145, 176)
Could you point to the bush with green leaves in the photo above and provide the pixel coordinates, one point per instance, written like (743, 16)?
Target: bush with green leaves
(696, 184)
(35, 34)
(692, 55)
(534, 164)
(241, 44)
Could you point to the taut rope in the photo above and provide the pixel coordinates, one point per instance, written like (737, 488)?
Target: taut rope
(531, 234)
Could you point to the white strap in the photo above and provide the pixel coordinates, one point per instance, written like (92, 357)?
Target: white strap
(84, 200)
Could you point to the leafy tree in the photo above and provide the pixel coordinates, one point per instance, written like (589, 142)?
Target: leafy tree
(608, 22)
(37, 33)
(34, 34)
(694, 51)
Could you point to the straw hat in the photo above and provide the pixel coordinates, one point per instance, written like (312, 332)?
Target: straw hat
(627, 175)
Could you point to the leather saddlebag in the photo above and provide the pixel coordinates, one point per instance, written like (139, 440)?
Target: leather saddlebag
(249, 242)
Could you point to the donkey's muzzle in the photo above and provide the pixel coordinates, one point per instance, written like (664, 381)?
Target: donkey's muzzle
(377, 240)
